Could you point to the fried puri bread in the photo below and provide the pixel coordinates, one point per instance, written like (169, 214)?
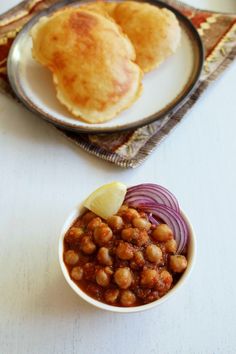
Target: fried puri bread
(91, 60)
(103, 8)
(155, 33)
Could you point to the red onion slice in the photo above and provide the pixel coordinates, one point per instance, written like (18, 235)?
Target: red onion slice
(135, 201)
(152, 193)
(170, 217)
(153, 220)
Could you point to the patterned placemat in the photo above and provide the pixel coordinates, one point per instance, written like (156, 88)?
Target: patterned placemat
(130, 149)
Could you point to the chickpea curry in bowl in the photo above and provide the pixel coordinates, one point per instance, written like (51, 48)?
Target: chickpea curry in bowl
(132, 258)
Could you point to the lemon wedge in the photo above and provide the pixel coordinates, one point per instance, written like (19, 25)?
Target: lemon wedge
(106, 200)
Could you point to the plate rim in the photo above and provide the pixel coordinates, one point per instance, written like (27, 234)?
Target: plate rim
(169, 109)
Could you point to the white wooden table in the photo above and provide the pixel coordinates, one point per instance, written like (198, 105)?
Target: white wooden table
(42, 177)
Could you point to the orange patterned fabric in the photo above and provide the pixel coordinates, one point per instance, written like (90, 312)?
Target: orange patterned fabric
(129, 149)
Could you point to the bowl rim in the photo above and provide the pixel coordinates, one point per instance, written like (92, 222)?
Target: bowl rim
(191, 261)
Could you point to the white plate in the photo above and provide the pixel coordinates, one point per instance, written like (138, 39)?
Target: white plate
(165, 88)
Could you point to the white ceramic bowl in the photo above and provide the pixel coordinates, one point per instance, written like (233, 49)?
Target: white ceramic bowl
(191, 259)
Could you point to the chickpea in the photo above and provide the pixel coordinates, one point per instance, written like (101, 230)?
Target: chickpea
(77, 273)
(178, 263)
(102, 235)
(149, 278)
(171, 246)
(127, 298)
(115, 222)
(71, 257)
(162, 233)
(125, 251)
(153, 253)
(94, 223)
(74, 234)
(108, 270)
(87, 245)
(141, 223)
(102, 278)
(142, 238)
(87, 217)
(139, 259)
(136, 236)
(143, 293)
(122, 209)
(164, 282)
(89, 271)
(123, 277)
(111, 295)
(167, 278)
(142, 214)
(128, 234)
(104, 257)
(129, 214)
(154, 295)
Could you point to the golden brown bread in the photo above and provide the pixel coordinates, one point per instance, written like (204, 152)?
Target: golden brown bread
(155, 33)
(91, 61)
(103, 8)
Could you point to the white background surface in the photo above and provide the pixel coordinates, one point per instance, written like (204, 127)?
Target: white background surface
(41, 179)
